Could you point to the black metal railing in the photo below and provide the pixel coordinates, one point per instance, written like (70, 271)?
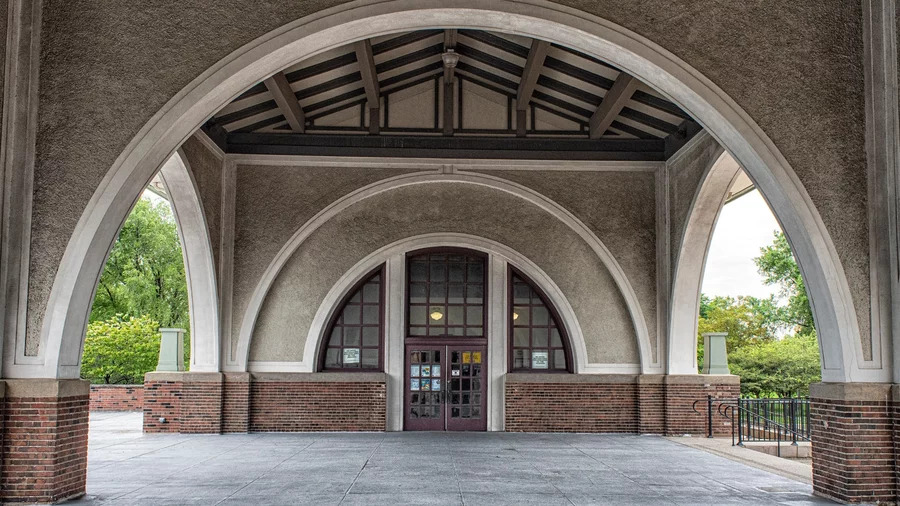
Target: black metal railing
(778, 420)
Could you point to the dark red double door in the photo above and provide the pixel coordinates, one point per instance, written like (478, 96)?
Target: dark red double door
(446, 387)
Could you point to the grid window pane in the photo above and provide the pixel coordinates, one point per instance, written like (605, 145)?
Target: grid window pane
(446, 295)
(538, 343)
(354, 341)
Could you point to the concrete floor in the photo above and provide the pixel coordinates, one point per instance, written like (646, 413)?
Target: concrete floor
(127, 467)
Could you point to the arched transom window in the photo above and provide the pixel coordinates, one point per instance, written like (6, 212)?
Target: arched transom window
(354, 337)
(446, 294)
(537, 341)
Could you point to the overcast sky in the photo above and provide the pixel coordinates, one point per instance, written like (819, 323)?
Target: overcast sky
(745, 226)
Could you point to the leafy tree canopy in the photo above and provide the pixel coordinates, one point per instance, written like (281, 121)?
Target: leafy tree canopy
(120, 350)
(772, 346)
(142, 288)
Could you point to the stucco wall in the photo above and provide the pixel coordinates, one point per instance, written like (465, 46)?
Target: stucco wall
(107, 67)
(686, 170)
(620, 208)
(280, 333)
(271, 204)
(206, 167)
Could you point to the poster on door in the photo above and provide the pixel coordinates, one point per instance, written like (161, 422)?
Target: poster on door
(351, 356)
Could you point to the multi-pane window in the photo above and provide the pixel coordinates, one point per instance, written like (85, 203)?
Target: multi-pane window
(538, 342)
(446, 294)
(354, 336)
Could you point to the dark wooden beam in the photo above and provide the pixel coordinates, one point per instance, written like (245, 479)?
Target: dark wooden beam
(533, 65)
(448, 147)
(370, 80)
(281, 91)
(612, 104)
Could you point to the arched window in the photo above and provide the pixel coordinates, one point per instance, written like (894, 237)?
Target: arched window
(537, 341)
(446, 294)
(355, 333)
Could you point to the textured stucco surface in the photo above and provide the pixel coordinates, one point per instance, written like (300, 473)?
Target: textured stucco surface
(272, 203)
(106, 68)
(280, 333)
(620, 208)
(686, 170)
(207, 170)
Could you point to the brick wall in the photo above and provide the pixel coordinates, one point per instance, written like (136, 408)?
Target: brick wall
(117, 397)
(571, 407)
(317, 406)
(853, 454)
(213, 403)
(162, 405)
(44, 441)
(236, 403)
(615, 403)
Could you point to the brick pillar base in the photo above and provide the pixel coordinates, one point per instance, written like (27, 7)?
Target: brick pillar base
(45, 435)
(236, 403)
(853, 441)
(185, 402)
(681, 392)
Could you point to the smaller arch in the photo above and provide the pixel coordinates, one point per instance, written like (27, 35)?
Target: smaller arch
(199, 263)
(254, 306)
(318, 328)
(705, 208)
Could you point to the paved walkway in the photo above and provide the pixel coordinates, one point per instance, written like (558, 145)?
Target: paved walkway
(126, 467)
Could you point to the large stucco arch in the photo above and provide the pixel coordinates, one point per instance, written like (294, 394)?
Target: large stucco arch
(64, 321)
(258, 297)
(199, 265)
(693, 246)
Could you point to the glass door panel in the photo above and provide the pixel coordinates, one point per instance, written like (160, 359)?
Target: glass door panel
(445, 388)
(467, 388)
(424, 406)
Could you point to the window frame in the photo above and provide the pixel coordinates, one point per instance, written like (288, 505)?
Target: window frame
(339, 309)
(485, 292)
(512, 272)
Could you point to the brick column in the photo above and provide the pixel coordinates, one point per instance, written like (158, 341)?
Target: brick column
(651, 400)
(853, 453)
(681, 391)
(45, 435)
(236, 403)
(186, 402)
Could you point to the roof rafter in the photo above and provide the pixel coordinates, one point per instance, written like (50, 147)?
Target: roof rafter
(533, 65)
(281, 91)
(612, 104)
(366, 61)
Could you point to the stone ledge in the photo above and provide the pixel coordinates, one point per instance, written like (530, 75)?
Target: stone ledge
(854, 392)
(185, 377)
(641, 379)
(46, 388)
(320, 377)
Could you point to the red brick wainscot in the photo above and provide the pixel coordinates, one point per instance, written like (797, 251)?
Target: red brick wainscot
(630, 403)
(117, 397)
(215, 403)
(45, 435)
(853, 449)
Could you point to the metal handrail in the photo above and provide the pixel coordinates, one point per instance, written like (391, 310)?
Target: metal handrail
(755, 416)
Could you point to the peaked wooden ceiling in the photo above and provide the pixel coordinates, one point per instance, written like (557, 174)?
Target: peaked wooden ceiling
(501, 96)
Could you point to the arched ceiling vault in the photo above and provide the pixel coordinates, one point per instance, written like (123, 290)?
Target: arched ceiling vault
(453, 93)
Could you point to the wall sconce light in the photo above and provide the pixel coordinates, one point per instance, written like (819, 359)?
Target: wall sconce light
(436, 314)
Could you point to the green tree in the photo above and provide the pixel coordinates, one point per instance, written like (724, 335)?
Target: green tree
(779, 267)
(747, 320)
(120, 349)
(783, 367)
(144, 274)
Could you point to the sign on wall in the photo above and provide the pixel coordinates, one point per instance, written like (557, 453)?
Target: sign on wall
(539, 359)
(351, 355)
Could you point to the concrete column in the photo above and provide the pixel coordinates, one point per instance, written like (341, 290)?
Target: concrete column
(715, 354)
(171, 350)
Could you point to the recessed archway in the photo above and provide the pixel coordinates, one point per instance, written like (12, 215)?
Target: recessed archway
(64, 322)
